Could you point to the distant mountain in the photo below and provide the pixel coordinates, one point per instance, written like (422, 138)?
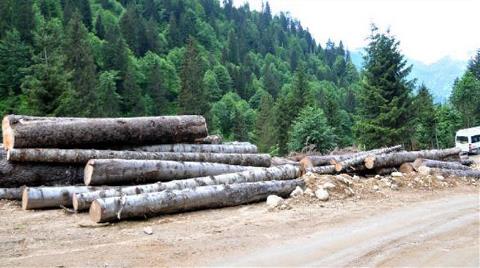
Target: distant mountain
(438, 76)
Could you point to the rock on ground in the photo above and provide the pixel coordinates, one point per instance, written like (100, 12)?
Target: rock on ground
(297, 192)
(322, 194)
(274, 201)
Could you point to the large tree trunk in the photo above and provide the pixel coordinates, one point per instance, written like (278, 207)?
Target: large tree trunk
(118, 208)
(456, 172)
(118, 171)
(82, 201)
(100, 132)
(31, 174)
(11, 193)
(81, 156)
(438, 164)
(359, 158)
(210, 139)
(396, 159)
(53, 197)
(241, 148)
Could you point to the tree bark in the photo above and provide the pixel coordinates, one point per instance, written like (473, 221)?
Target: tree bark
(18, 174)
(118, 171)
(100, 132)
(118, 208)
(11, 193)
(81, 156)
(438, 164)
(82, 201)
(396, 159)
(210, 139)
(52, 197)
(359, 158)
(198, 148)
(456, 172)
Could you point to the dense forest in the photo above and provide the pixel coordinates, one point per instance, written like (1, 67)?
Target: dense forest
(255, 76)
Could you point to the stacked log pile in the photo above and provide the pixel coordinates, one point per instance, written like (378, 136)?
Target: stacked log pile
(120, 168)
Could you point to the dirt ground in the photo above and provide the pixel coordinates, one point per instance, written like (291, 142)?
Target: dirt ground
(423, 222)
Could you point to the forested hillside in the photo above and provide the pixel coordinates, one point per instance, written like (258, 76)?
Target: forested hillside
(253, 75)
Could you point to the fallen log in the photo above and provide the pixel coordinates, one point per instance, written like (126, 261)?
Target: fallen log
(210, 139)
(359, 158)
(438, 164)
(11, 193)
(216, 196)
(19, 174)
(242, 148)
(398, 158)
(456, 172)
(52, 197)
(466, 162)
(100, 132)
(118, 171)
(81, 156)
(82, 201)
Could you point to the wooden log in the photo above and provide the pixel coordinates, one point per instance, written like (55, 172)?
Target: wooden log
(210, 139)
(119, 171)
(279, 161)
(216, 196)
(82, 201)
(359, 158)
(31, 174)
(438, 164)
(100, 132)
(406, 168)
(198, 148)
(11, 193)
(81, 156)
(398, 158)
(330, 169)
(456, 172)
(52, 197)
(466, 162)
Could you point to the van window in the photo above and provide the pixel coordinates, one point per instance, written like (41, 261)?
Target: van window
(475, 138)
(462, 139)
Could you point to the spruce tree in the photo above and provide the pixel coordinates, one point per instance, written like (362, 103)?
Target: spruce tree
(108, 100)
(24, 19)
(466, 99)
(385, 113)
(133, 103)
(99, 27)
(474, 65)
(156, 89)
(425, 122)
(264, 128)
(193, 98)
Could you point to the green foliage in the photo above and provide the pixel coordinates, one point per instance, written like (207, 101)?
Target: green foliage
(466, 99)
(449, 121)
(311, 131)
(264, 128)
(108, 99)
(425, 122)
(384, 110)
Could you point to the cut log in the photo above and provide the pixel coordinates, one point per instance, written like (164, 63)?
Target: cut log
(359, 158)
(330, 169)
(279, 161)
(31, 174)
(456, 172)
(119, 171)
(52, 197)
(198, 148)
(438, 164)
(406, 168)
(118, 208)
(398, 158)
(81, 156)
(82, 201)
(11, 193)
(210, 139)
(466, 162)
(100, 132)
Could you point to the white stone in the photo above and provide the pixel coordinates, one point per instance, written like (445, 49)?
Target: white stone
(423, 170)
(378, 177)
(440, 178)
(322, 194)
(148, 230)
(375, 187)
(394, 187)
(297, 192)
(328, 185)
(397, 174)
(274, 201)
(309, 192)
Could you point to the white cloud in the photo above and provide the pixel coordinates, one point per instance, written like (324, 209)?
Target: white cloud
(427, 29)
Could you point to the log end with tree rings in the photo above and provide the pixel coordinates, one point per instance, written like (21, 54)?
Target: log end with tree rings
(370, 161)
(8, 135)
(96, 211)
(305, 164)
(88, 172)
(76, 204)
(338, 166)
(25, 203)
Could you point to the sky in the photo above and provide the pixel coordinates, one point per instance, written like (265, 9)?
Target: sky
(428, 30)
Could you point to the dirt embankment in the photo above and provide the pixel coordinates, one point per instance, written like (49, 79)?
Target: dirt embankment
(393, 220)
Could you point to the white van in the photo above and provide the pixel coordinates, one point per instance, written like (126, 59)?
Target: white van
(468, 140)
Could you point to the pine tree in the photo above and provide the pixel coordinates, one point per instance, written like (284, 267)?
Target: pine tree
(385, 113)
(24, 19)
(81, 64)
(47, 79)
(193, 97)
(425, 122)
(211, 85)
(271, 81)
(223, 79)
(6, 16)
(466, 99)
(133, 102)
(108, 100)
(99, 27)
(474, 65)
(264, 128)
(156, 89)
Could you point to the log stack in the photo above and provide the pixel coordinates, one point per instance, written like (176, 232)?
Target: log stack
(120, 168)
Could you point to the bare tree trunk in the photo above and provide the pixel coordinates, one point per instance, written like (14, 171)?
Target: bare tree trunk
(456, 172)
(198, 148)
(118, 171)
(52, 197)
(396, 159)
(82, 201)
(95, 132)
(118, 208)
(210, 139)
(19, 174)
(359, 158)
(81, 156)
(11, 193)
(438, 164)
